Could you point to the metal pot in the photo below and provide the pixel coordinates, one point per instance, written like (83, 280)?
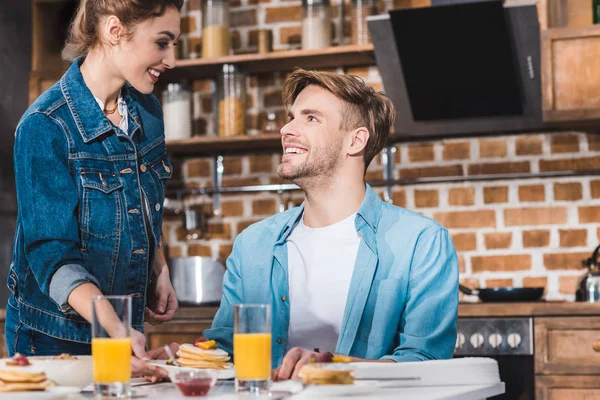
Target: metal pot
(588, 288)
(197, 280)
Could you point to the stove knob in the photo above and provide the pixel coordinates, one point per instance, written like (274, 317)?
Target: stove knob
(476, 340)
(460, 341)
(514, 340)
(495, 340)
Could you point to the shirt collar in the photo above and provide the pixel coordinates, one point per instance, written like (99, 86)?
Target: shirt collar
(121, 104)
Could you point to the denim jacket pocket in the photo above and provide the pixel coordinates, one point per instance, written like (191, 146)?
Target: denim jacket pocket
(101, 203)
(163, 170)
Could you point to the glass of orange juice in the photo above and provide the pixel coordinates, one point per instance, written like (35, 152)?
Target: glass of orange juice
(111, 346)
(252, 348)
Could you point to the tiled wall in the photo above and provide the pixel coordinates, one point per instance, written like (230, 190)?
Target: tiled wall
(507, 233)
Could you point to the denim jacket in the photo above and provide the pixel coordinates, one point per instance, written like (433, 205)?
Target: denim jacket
(403, 298)
(82, 186)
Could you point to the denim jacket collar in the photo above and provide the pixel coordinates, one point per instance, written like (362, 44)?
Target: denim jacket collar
(91, 121)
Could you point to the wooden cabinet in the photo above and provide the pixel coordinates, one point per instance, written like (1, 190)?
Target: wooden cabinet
(567, 388)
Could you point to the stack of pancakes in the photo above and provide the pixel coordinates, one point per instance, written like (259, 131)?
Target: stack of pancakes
(12, 380)
(326, 374)
(192, 356)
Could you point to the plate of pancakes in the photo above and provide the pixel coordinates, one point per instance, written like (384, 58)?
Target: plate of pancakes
(191, 357)
(29, 383)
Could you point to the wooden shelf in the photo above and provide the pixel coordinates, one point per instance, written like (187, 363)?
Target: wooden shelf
(347, 56)
(215, 145)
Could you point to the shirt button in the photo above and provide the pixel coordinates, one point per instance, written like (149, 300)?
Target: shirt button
(283, 298)
(157, 207)
(279, 340)
(143, 168)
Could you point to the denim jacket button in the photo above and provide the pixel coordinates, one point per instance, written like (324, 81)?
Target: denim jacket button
(139, 251)
(143, 168)
(279, 340)
(157, 207)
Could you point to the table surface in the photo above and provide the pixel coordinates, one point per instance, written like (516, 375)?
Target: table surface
(224, 390)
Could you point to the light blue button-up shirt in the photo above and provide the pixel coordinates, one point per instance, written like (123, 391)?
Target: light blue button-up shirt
(403, 298)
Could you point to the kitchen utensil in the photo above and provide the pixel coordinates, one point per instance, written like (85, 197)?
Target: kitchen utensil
(197, 280)
(171, 355)
(505, 294)
(588, 288)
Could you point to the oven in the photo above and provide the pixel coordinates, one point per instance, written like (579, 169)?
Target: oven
(507, 340)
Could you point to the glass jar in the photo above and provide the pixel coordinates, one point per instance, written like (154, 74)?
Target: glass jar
(177, 111)
(361, 9)
(316, 24)
(215, 28)
(231, 112)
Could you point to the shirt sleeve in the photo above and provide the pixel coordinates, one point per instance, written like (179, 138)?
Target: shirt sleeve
(48, 201)
(429, 323)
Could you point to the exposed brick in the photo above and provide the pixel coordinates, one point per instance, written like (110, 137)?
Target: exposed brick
(206, 104)
(253, 37)
(290, 35)
(361, 72)
(457, 151)
(467, 219)
(374, 175)
(421, 152)
(461, 264)
(188, 24)
(194, 5)
(564, 143)
(232, 165)
(593, 141)
(489, 148)
(535, 216)
(498, 168)
(281, 14)
(203, 86)
(464, 241)
(195, 44)
(536, 281)
(529, 145)
(242, 18)
(272, 98)
(537, 238)
(531, 193)
(428, 172)
(261, 163)
(496, 194)
(568, 191)
(426, 198)
(498, 240)
(461, 197)
(577, 164)
(198, 168)
(264, 207)
(572, 237)
(471, 283)
(219, 230)
(236, 39)
(568, 284)
(595, 189)
(241, 181)
(232, 208)
(557, 261)
(224, 252)
(199, 250)
(244, 224)
(589, 214)
(175, 251)
(520, 262)
(498, 283)
(399, 198)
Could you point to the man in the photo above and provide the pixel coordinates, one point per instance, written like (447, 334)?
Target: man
(345, 272)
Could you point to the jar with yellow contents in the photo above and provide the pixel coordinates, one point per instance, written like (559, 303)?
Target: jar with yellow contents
(231, 112)
(215, 28)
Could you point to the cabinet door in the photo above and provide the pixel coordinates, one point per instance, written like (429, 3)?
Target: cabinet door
(567, 388)
(180, 332)
(567, 346)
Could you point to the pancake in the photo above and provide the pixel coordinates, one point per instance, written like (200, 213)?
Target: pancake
(194, 357)
(324, 374)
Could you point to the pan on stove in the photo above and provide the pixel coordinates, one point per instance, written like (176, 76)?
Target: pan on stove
(505, 294)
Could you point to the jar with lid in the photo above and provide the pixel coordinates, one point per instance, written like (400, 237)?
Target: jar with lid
(177, 111)
(316, 24)
(231, 112)
(361, 9)
(215, 28)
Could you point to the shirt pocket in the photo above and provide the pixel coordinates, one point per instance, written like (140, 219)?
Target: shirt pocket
(101, 203)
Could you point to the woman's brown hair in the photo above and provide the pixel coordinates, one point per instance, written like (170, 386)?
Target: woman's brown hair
(364, 106)
(83, 32)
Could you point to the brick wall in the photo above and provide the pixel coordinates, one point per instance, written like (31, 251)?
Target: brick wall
(518, 232)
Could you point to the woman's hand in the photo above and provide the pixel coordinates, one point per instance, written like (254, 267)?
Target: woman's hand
(162, 301)
(140, 358)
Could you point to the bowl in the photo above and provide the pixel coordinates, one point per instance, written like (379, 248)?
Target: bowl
(194, 383)
(77, 372)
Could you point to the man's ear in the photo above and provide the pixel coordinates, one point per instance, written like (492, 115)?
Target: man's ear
(358, 142)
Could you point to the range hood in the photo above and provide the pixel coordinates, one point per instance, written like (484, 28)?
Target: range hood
(461, 69)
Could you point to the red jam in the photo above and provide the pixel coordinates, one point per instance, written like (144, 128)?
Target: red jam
(195, 387)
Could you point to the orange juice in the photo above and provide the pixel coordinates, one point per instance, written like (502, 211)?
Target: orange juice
(252, 355)
(111, 359)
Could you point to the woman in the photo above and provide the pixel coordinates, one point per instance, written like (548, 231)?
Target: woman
(91, 168)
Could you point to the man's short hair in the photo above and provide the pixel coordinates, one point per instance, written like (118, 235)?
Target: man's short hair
(364, 107)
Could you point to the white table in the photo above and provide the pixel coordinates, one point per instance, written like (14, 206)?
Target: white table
(225, 391)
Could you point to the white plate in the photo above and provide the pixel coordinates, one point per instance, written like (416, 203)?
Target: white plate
(223, 373)
(314, 391)
(34, 396)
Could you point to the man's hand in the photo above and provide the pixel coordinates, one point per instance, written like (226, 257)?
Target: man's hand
(294, 360)
(139, 364)
(160, 354)
(162, 300)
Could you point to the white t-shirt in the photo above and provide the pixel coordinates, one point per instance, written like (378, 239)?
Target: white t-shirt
(320, 266)
(121, 109)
